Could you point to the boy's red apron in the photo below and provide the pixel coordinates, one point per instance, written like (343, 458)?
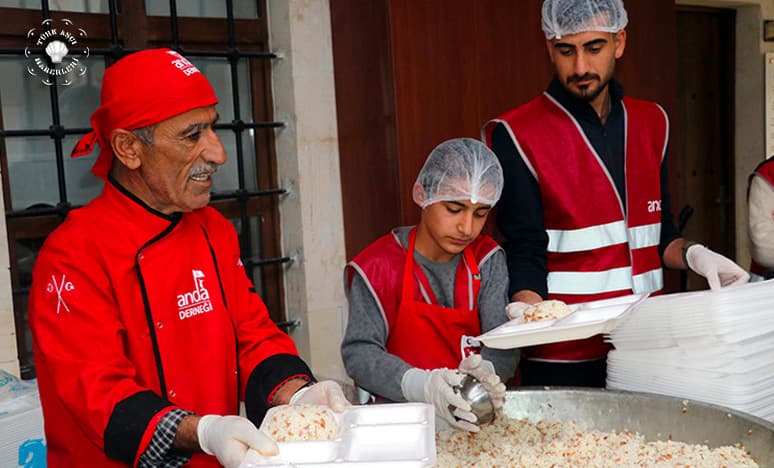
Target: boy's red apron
(429, 336)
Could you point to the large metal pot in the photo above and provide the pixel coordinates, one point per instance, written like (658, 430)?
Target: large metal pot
(656, 417)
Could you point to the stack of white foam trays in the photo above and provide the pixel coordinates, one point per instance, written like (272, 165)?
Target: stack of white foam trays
(711, 346)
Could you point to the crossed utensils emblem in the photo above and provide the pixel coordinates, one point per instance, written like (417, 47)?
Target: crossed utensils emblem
(64, 285)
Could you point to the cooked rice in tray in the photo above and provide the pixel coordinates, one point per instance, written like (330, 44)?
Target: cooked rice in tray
(514, 443)
(301, 422)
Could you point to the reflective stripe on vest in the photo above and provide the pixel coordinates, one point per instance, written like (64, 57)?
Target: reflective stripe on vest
(595, 282)
(641, 237)
(603, 235)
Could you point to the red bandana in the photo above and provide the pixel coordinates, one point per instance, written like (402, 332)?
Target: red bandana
(143, 89)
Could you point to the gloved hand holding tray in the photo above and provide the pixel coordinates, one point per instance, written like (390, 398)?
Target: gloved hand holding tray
(585, 320)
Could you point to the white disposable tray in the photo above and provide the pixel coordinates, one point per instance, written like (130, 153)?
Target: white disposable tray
(400, 435)
(585, 320)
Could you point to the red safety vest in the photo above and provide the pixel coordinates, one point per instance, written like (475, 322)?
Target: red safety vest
(596, 249)
(421, 332)
(765, 170)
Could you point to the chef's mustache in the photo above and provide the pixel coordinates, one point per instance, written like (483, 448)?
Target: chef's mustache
(208, 168)
(584, 77)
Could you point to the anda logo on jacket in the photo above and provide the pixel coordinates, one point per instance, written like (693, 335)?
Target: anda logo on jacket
(194, 302)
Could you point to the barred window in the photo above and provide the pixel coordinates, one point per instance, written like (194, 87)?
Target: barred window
(43, 115)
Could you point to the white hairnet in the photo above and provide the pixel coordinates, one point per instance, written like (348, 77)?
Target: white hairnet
(459, 169)
(563, 17)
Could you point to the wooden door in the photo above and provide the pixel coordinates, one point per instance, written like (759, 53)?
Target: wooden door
(705, 153)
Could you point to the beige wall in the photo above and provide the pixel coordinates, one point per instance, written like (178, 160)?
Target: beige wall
(749, 111)
(308, 164)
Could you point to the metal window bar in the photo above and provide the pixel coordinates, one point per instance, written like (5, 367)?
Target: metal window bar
(58, 132)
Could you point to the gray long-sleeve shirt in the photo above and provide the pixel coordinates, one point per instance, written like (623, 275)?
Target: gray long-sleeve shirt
(364, 346)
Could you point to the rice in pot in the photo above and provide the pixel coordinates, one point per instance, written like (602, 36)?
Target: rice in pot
(521, 443)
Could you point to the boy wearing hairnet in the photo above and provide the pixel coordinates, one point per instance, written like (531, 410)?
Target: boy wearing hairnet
(586, 209)
(419, 295)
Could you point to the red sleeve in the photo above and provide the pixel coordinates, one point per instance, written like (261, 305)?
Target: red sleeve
(83, 373)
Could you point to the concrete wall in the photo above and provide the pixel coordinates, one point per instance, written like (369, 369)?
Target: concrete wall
(308, 164)
(750, 97)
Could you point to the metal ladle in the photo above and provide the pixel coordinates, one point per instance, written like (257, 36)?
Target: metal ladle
(473, 391)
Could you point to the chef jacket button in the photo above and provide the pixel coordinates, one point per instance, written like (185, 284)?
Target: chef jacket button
(236, 371)
(160, 325)
(172, 394)
(140, 257)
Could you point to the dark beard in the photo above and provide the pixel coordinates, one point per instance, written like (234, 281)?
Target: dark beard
(583, 96)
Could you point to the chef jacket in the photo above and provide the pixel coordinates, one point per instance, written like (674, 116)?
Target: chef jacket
(135, 313)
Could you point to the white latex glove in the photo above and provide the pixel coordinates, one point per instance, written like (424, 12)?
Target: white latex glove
(326, 393)
(229, 438)
(483, 371)
(719, 270)
(435, 387)
(515, 310)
